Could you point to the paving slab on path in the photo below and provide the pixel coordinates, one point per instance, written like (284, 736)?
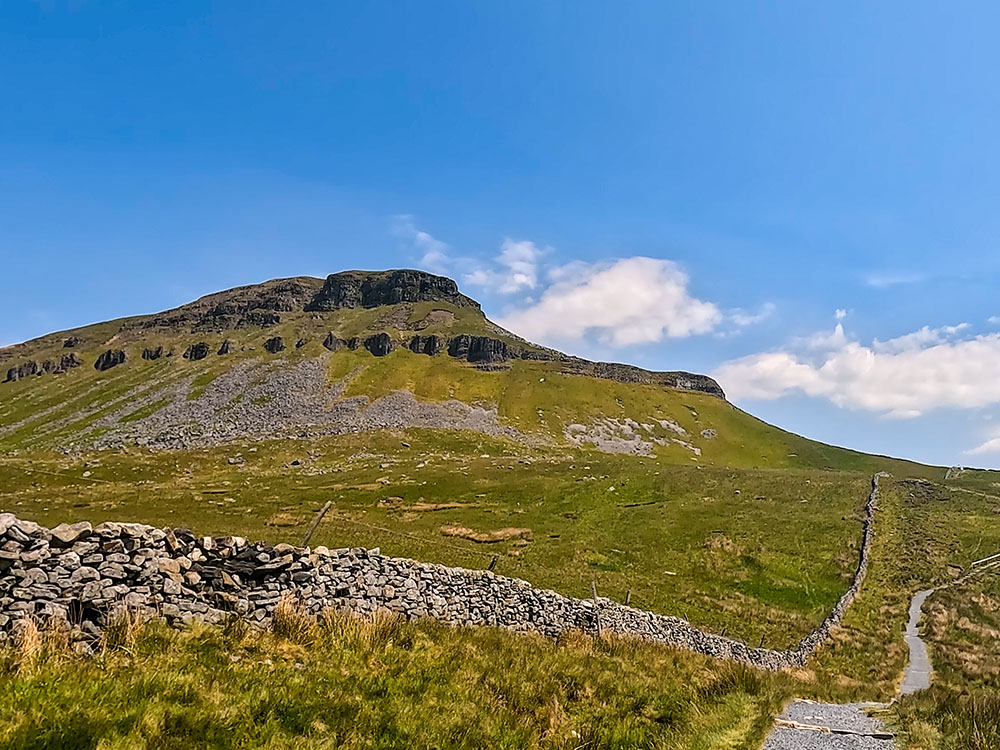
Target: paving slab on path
(806, 725)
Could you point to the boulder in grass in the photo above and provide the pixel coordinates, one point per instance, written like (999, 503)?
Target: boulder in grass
(110, 358)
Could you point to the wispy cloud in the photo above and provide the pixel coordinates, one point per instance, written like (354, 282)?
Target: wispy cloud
(515, 269)
(989, 446)
(743, 318)
(433, 254)
(886, 279)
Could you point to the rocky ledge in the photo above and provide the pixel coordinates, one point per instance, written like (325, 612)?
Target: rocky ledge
(263, 304)
(377, 288)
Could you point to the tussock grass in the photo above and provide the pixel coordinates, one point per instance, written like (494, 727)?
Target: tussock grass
(378, 681)
(291, 623)
(122, 627)
(29, 645)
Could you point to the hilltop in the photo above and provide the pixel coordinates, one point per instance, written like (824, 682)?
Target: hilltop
(360, 351)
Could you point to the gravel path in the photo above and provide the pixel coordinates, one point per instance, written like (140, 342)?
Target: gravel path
(829, 726)
(918, 671)
(826, 726)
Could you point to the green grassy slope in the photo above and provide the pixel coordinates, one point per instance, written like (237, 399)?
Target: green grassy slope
(533, 397)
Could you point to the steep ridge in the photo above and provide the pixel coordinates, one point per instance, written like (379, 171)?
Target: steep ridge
(263, 305)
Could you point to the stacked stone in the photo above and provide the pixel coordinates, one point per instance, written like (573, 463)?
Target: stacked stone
(79, 574)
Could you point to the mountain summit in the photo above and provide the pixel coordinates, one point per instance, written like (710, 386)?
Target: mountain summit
(357, 351)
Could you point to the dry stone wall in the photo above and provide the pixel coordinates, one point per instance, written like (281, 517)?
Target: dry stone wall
(80, 573)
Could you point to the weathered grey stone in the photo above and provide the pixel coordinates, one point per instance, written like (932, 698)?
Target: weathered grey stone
(110, 358)
(380, 344)
(373, 289)
(197, 351)
(84, 574)
(66, 533)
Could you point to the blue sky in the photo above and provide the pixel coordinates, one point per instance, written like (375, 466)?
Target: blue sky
(681, 185)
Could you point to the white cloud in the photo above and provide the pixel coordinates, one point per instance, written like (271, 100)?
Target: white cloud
(990, 446)
(516, 268)
(903, 377)
(919, 339)
(840, 313)
(993, 320)
(433, 252)
(629, 301)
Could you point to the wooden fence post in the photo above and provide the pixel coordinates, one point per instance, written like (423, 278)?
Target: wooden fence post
(315, 523)
(597, 612)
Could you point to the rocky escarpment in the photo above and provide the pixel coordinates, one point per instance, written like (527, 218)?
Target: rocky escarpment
(485, 352)
(263, 305)
(631, 374)
(77, 574)
(27, 369)
(243, 307)
(376, 288)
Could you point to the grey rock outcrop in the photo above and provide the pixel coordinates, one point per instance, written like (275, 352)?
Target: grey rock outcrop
(375, 288)
(275, 345)
(380, 344)
(110, 358)
(300, 343)
(430, 345)
(197, 351)
(151, 354)
(630, 374)
(27, 369)
(226, 347)
(71, 342)
(332, 343)
(69, 361)
(259, 318)
(24, 370)
(479, 349)
(242, 307)
(353, 343)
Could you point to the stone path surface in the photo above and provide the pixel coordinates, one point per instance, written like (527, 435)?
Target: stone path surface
(806, 725)
(918, 670)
